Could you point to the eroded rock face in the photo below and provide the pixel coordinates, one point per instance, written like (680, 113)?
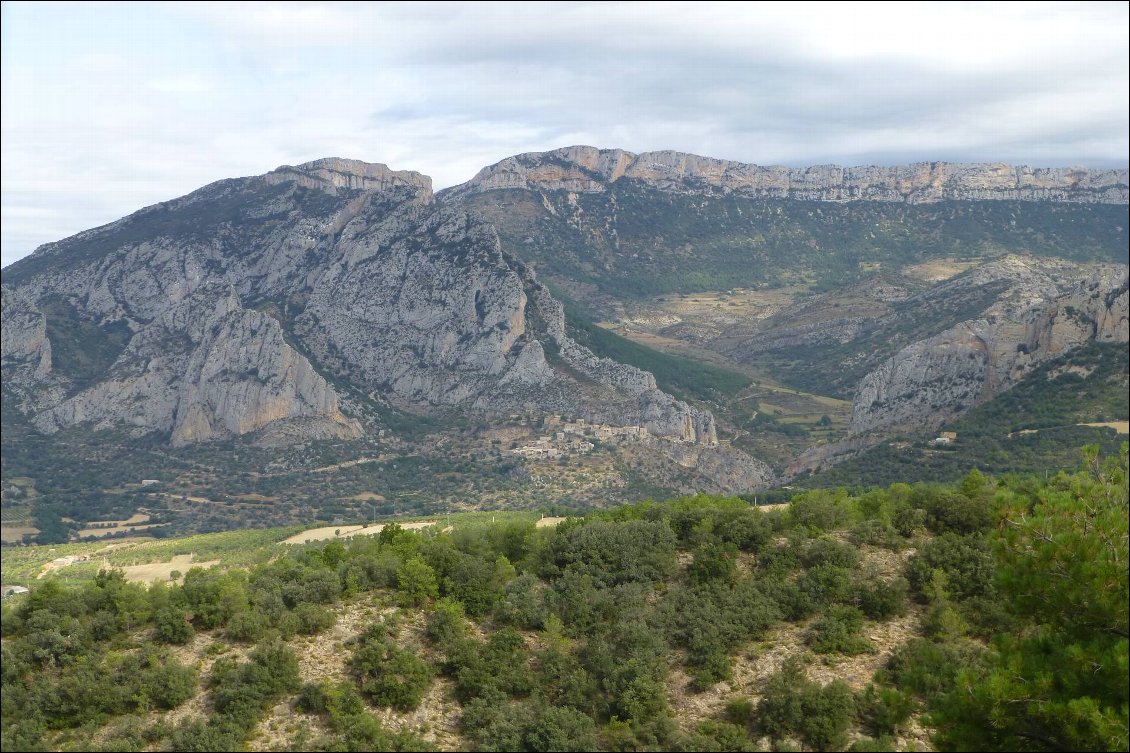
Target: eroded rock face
(425, 308)
(25, 353)
(207, 368)
(24, 347)
(583, 169)
(935, 379)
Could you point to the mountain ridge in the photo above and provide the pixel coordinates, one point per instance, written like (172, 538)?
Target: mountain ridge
(341, 313)
(586, 169)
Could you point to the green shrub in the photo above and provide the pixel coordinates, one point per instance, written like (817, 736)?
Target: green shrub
(713, 562)
(173, 626)
(928, 669)
(819, 511)
(390, 675)
(793, 705)
(878, 533)
(885, 711)
(881, 600)
(313, 619)
(837, 631)
(416, 581)
(247, 627)
(523, 603)
(739, 711)
(965, 560)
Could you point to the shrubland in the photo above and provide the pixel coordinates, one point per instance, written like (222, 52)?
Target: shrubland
(701, 623)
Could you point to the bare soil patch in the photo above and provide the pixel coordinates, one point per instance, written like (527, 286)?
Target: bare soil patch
(163, 570)
(1122, 427)
(342, 532)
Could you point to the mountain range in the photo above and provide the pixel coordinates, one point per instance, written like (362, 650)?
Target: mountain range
(580, 325)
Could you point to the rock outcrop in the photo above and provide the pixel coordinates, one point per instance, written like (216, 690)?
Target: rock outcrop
(25, 353)
(586, 169)
(935, 379)
(206, 368)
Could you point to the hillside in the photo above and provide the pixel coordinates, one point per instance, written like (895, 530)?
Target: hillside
(1035, 426)
(907, 618)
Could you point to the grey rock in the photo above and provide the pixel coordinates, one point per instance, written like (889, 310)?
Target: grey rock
(205, 369)
(586, 169)
(935, 379)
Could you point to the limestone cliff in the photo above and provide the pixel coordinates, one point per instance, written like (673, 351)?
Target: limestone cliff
(206, 368)
(935, 379)
(586, 169)
(25, 353)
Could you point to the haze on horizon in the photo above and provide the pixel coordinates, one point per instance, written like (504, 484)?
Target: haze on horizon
(109, 107)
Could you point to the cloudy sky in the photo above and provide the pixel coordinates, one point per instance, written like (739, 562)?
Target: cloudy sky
(110, 107)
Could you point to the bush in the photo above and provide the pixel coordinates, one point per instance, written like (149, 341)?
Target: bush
(954, 512)
(878, 745)
(877, 533)
(882, 600)
(523, 603)
(907, 521)
(168, 683)
(818, 511)
(712, 735)
(965, 560)
(416, 581)
(884, 711)
(313, 619)
(749, 530)
(828, 552)
(837, 631)
(613, 553)
(739, 711)
(390, 675)
(927, 669)
(446, 624)
(793, 705)
(246, 627)
(173, 626)
(713, 562)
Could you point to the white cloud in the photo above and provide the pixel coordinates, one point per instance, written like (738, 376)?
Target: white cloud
(108, 109)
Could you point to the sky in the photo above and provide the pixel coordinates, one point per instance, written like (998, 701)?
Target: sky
(107, 107)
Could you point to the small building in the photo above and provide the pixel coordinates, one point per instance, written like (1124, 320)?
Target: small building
(948, 435)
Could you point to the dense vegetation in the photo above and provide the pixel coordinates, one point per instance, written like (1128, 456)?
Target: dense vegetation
(1014, 593)
(1033, 427)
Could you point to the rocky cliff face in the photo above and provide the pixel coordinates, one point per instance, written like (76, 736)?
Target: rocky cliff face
(585, 169)
(25, 352)
(206, 368)
(411, 302)
(937, 378)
